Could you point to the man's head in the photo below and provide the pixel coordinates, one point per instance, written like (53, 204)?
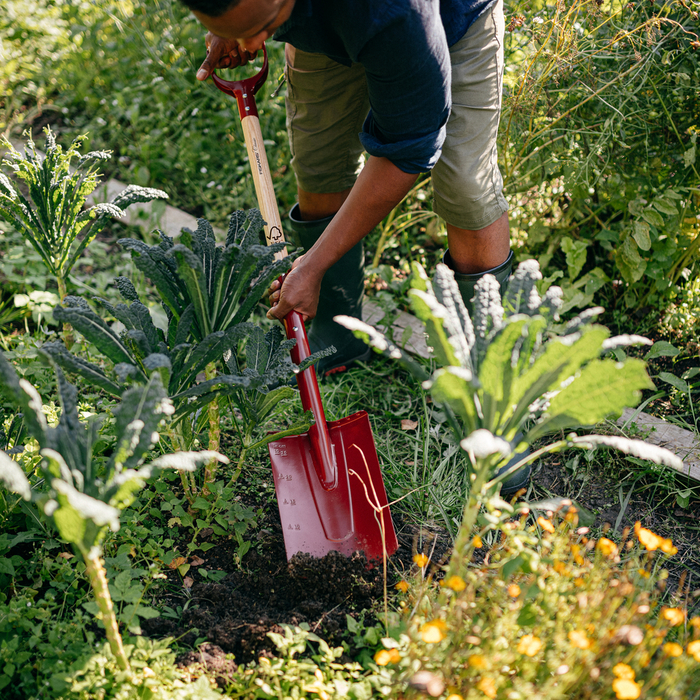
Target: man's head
(250, 22)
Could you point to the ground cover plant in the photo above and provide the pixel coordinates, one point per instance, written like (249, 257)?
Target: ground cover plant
(559, 593)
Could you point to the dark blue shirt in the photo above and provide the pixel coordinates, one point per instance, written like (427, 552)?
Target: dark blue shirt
(404, 48)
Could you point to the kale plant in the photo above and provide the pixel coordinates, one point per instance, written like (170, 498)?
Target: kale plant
(208, 292)
(506, 379)
(82, 495)
(52, 217)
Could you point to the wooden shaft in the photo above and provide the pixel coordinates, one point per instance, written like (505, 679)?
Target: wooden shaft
(263, 182)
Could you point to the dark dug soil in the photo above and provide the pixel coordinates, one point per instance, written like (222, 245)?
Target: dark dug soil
(236, 614)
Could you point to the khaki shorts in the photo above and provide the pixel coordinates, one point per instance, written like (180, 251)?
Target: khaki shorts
(327, 104)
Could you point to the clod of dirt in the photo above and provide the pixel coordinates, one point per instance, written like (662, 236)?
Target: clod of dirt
(212, 660)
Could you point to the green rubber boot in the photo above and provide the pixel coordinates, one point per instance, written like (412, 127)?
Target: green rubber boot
(341, 294)
(467, 284)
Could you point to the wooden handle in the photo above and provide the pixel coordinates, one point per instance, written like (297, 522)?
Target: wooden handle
(263, 182)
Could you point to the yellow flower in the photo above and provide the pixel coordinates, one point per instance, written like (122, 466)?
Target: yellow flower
(672, 649)
(513, 590)
(402, 586)
(478, 544)
(579, 639)
(695, 622)
(623, 671)
(387, 656)
(647, 537)
(607, 547)
(545, 524)
(456, 583)
(667, 547)
(420, 559)
(529, 645)
(455, 696)
(673, 615)
(477, 661)
(626, 689)
(488, 687)
(433, 631)
(693, 650)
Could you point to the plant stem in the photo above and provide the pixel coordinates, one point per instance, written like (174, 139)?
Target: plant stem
(98, 581)
(214, 430)
(68, 338)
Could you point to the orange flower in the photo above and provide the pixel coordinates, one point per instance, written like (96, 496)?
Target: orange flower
(478, 544)
(647, 537)
(693, 650)
(477, 661)
(607, 547)
(560, 568)
(579, 639)
(387, 656)
(420, 559)
(513, 590)
(695, 622)
(433, 631)
(579, 582)
(529, 645)
(545, 524)
(672, 649)
(455, 696)
(673, 615)
(402, 586)
(667, 547)
(456, 583)
(626, 689)
(623, 671)
(488, 687)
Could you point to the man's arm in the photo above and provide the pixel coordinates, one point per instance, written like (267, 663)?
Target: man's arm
(379, 188)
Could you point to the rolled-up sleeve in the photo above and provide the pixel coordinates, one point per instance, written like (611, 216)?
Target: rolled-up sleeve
(407, 65)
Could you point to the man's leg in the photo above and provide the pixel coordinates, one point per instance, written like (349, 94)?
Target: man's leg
(314, 206)
(326, 106)
(477, 251)
(467, 183)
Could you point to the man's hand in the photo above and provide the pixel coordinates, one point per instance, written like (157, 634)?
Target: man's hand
(300, 291)
(222, 53)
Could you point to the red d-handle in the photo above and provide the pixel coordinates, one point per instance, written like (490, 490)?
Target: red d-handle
(244, 90)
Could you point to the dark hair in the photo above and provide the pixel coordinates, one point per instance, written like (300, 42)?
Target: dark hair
(211, 8)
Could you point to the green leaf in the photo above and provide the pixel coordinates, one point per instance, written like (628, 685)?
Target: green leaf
(576, 253)
(665, 206)
(451, 386)
(76, 312)
(674, 381)
(629, 262)
(21, 393)
(641, 235)
(76, 365)
(661, 348)
(496, 371)
(191, 271)
(601, 390)
(653, 217)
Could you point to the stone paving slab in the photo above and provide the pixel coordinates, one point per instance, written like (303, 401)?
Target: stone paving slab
(406, 331)
(683, 443)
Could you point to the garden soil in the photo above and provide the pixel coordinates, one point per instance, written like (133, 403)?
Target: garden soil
(236, 614)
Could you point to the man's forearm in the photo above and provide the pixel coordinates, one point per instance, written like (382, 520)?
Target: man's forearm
(379, 188)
